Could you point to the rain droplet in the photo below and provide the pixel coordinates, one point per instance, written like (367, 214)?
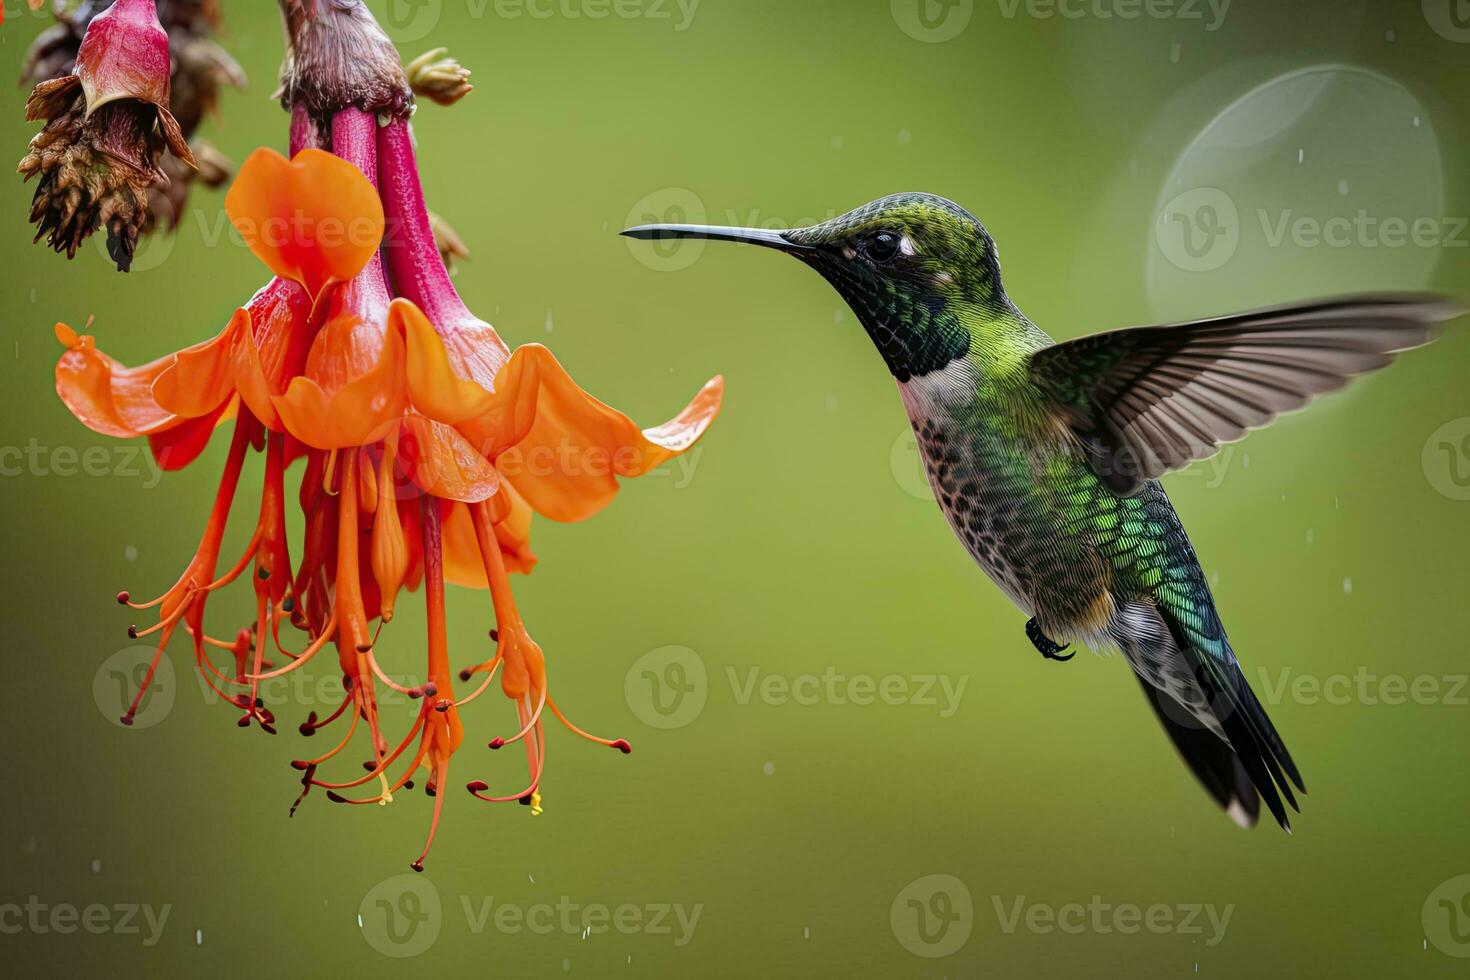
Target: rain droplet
(566, 966)
(1347, 586)
(1389, 35)
(769, 768)
(198, 937)
(905, 137)
(806, 932)
(1342, 187)
(837, 142)
(131, 552)
(1301, 155)
(33, 294)
(1245, 460)
(359, 922)
(1174, 53)
(530, 879)
(1311, 536)
(96, 866)
(549, 323)
(831, 403)
(1418, 122)
(839, 315)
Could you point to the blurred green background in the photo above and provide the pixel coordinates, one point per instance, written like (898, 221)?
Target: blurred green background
(798, 542)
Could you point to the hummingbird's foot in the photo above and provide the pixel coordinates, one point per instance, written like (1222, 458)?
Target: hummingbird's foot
(1049, 648)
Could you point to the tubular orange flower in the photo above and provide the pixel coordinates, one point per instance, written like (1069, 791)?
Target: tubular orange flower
(427, 446)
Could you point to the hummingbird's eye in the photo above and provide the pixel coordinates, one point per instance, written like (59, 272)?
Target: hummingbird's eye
(883, 247)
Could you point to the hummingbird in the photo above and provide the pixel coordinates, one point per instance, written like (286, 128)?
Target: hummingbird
(1045, 457)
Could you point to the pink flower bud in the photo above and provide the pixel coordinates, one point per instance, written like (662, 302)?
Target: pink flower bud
(124, 55)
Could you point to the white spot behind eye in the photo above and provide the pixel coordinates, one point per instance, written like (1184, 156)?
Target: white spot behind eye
(907, 247)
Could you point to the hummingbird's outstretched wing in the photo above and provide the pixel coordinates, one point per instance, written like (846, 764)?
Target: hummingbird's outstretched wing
(1148, 400)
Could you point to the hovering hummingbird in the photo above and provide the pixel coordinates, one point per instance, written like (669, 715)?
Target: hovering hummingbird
(1044, 457)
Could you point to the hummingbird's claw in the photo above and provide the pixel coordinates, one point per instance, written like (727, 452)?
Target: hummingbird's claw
(1048, 648)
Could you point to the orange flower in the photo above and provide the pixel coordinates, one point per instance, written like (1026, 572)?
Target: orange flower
(427, 444)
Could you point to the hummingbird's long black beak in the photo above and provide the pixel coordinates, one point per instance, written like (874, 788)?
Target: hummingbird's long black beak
(748, 236)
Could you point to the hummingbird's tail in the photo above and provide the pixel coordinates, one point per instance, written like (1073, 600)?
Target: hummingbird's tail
(1209, 757)
(1209, 711)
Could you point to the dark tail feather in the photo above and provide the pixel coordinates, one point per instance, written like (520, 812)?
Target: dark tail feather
(1211, 760)
(1253, 738)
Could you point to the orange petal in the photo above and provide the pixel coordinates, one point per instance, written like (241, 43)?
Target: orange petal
(434, 387)
(463, 564)
(513, 530)
(104, 395)
(568, 464)
(441, 462)
(274, 349)
(203, 376)
(179, 446)
(314, 219)
(512, 410)
(359, 412)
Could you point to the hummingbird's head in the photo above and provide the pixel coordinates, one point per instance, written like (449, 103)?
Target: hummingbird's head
(909, 265)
